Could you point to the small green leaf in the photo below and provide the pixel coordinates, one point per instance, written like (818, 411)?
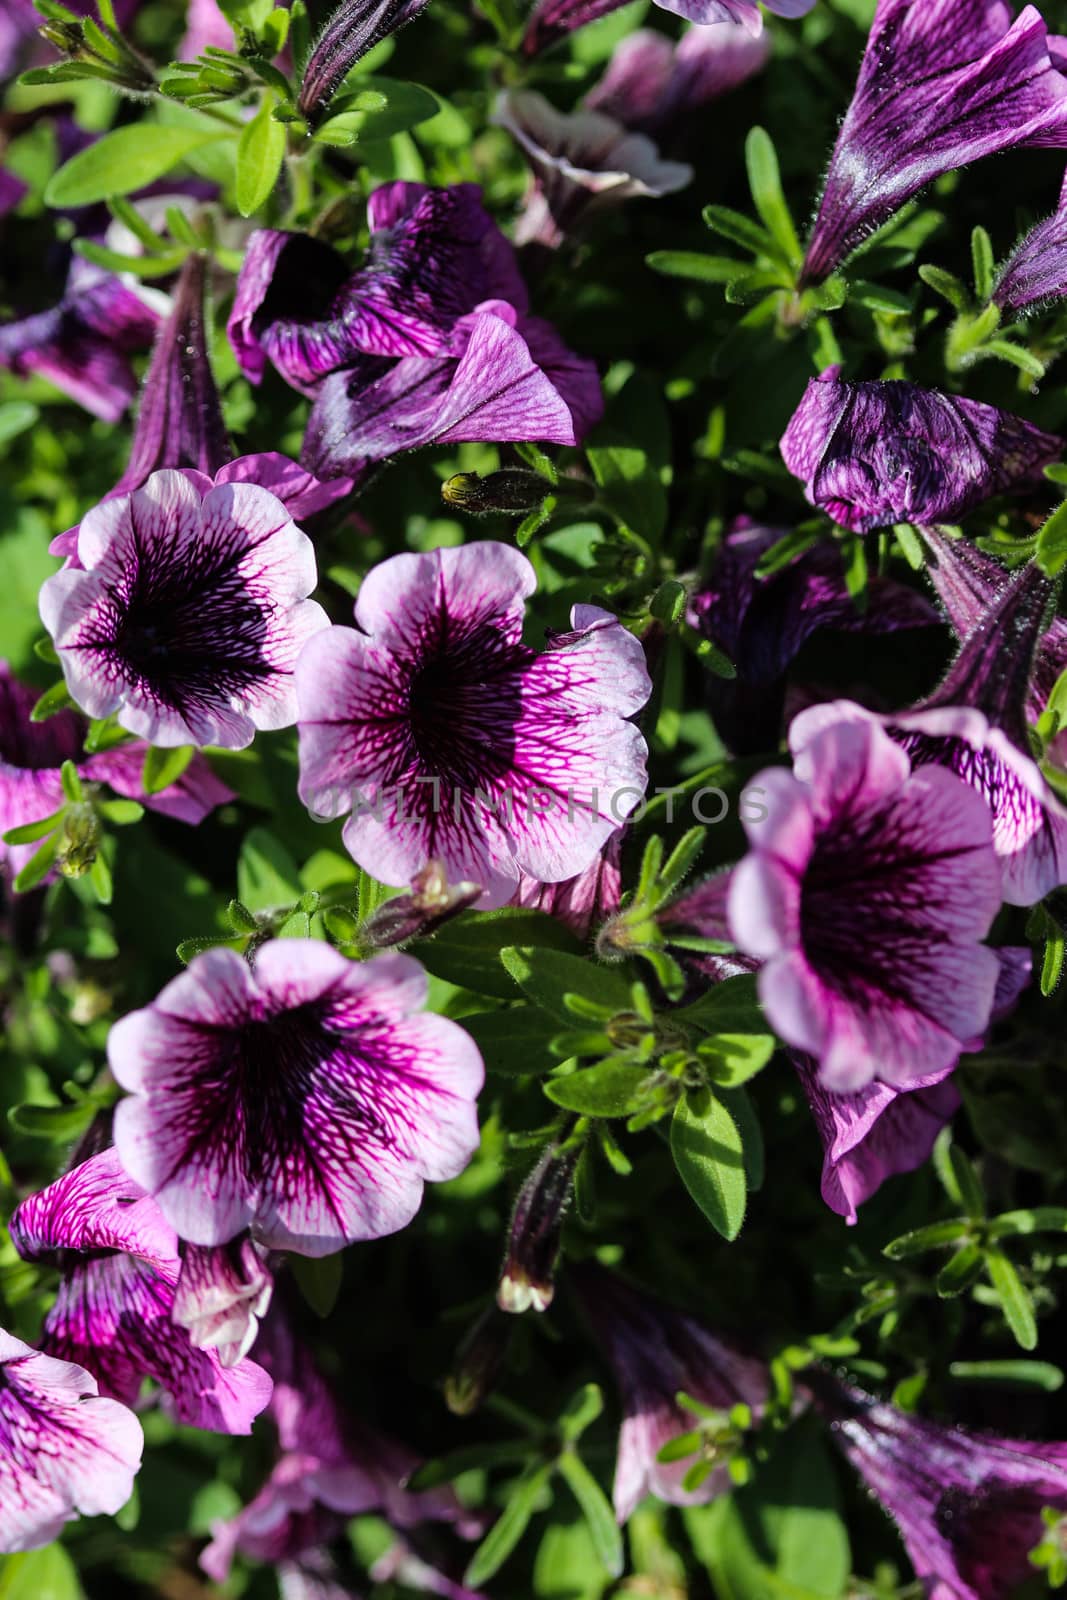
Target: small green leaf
(961, 1271)
(1051, 553)
(729, 1007)
(596, 1509)
(732, 1058)
(57, 698)
(378, 108)
(707, 1152)
(1015, 1301)
(693, 265)
(1039, 1219)
(120, 812)
(260, 153)
(466, 950)
(39, 865)
(122, 161)
(982, 264)
(523, 1498)
(935, 1236)
(581, 1411)
(611, 1089)
(58, 1123)
(947, 285)
(734, 225)
(764, 180)
(30, 832)
(47, 1574)
(1012, 1374)
(548, 976)
(162, 767)
(267, 875)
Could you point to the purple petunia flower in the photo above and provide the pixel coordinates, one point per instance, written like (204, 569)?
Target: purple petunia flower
(1035, 274)
(555, 19)
(652, 84)
(974, 724)
(942, 83)
(968, 1505)
(582, 163)
(186, 611)
(503, 378)
(435, 254)
(63, 1449)
(83, 345)
(31, 754)
(445, 737)
(222, 1293)
(872, 454)
(762, 623)
(113, 1313)
(866, 893)
(656, 1353)
(307, 1098)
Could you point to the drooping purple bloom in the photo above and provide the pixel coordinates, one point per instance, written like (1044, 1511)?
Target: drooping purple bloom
(942, 84)
(353, 28)
(31, 754)
(881, 1131)
(974, 724)
(968, 1505)
(83, 345)
(434, 255)
(555, 19)
(186, 611)
(866, 893)
(872, 454)
(114, 1310)
(652, 84)
(656, 1353)
(503, 377)
(222, 1293)
(442, 736)
(762, 623)
(63, 1449)
(582, 163)
(307, 1098)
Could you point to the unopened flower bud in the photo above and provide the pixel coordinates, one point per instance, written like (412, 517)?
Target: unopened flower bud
(431, 902)
(80, 840)
(513, 491)
(478, 1362)
(527, 1278)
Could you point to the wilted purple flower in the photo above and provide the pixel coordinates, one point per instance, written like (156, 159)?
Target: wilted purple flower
(503, 377)
(63, 1449)
(435, 254)
(968, 1505)
(974, 724)
(447, 738)
(113, 1313)
(1035, 274)
(865, 894)
(353, 28)
(657, 1353)
(307, 1097)
(653, 84)
(83, 345)
(762, 623)
(186, 611)
(581, 903)
(555, 19)
(431, 901)
(222, 1292)
(881, 1131)
(872, 454)
(31, 754)
(942, 83)
(583, 162)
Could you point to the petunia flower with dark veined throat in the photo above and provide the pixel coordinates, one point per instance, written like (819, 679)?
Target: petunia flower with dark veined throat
(64, 1449)
(656, 1353)
(435, 254)
(866, 894)
(441, 736)
(942, 83)
(32, 753)
(968, 1505)
(503, 377)
(186, 610)
(307, 1098)
(113, 1314)
(974, 724)
(555, 19)
(873, 454)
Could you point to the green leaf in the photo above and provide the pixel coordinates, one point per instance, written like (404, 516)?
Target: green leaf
(47, 1574)
(39, 865)
(967, 1184)
(692, 264)
(122, 161)
(961, 1271)
(934, 1236)
(628, 483)
(581, 1411)
(733, 1058)
(729, 1007)
(162, 767)
(1038, 1219)
(596, 1509)
(1015, 1301)
(707, 1152)
(548, 976)
(260, 153)
(1016, 356)
(61, 1124)
(319, 1280)
(466, 951)
(982, 264)
(876, 297)
(30, 832)
(15, 417)
(377, 108)
(610, 1089)
(1012, 1374)
(522, 1501)
(738, 228)
(1051, 553)
(764, 179)
(947, 285)
(267, 876)
(120, 812)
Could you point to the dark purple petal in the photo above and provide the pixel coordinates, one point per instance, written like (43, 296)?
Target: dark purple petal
(942, 83)
(354, 27)
(872, 454)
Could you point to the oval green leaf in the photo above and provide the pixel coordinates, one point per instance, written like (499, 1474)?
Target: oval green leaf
(123, 161)
(707, 1152)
